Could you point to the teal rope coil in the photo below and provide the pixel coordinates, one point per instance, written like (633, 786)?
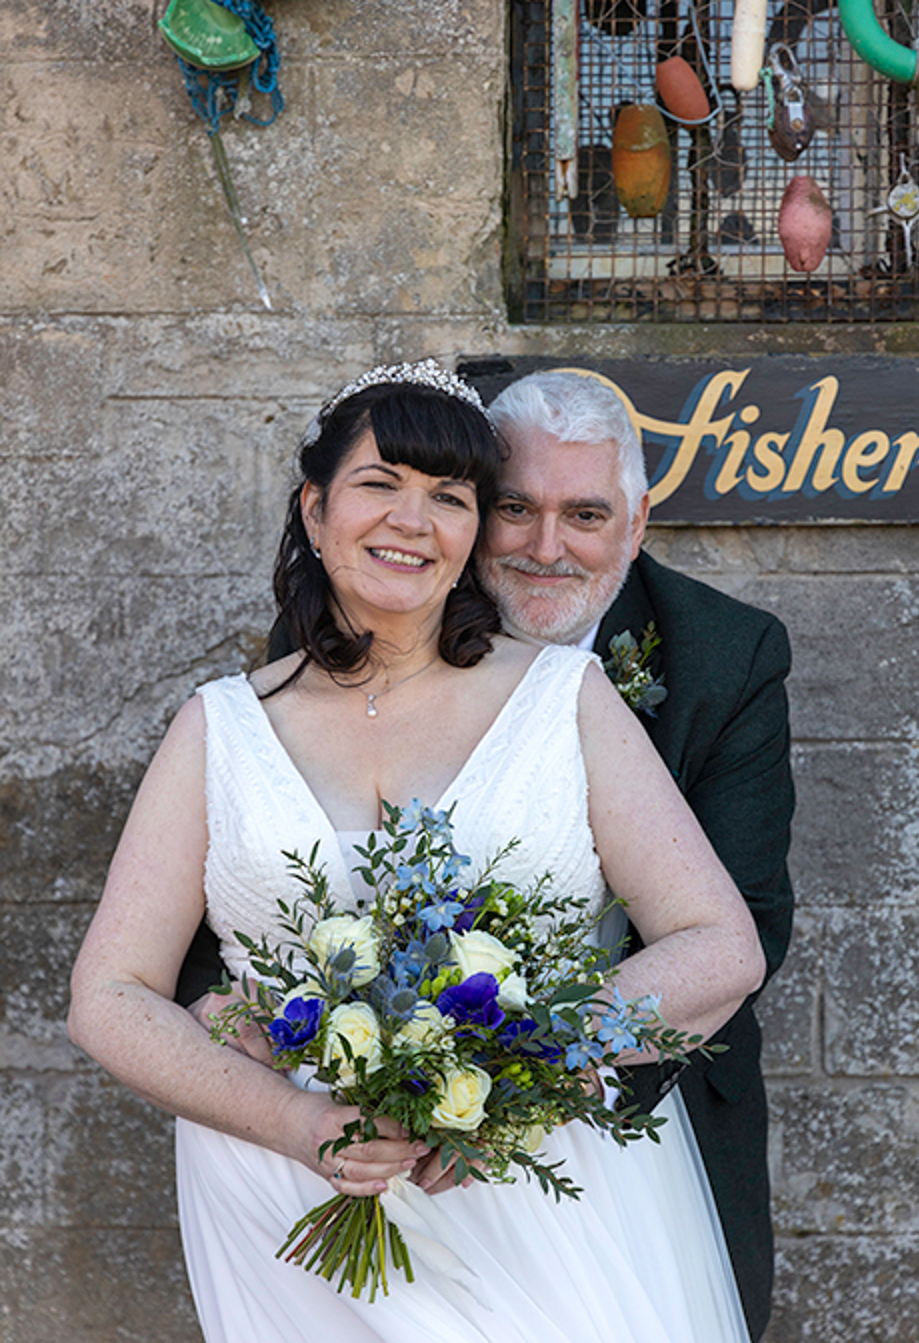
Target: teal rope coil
(205, 87)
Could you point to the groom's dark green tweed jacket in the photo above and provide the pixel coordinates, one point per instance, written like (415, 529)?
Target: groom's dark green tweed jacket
(723, 731)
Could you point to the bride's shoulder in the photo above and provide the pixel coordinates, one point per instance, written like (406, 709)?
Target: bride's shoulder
(265, 680)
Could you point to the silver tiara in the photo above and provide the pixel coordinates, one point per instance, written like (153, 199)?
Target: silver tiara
(426, 373)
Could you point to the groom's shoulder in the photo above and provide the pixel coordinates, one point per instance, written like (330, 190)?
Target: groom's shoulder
(695, 620)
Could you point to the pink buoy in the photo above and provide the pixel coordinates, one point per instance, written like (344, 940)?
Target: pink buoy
(805, 224)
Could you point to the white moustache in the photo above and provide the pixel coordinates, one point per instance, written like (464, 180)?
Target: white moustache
(557, 570)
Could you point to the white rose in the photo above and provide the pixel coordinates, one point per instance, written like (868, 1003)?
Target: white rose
(479, 953)
(308, 989)
(462, 1099)
(425, 1024)
(330, 935)
(357, 1022)
(512, 992)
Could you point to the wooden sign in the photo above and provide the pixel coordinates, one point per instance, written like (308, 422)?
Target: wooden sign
(783, 438)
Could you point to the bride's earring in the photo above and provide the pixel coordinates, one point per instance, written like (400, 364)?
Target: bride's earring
(314, 549)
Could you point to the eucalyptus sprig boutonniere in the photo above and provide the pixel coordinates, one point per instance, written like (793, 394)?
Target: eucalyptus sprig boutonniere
(627, 667)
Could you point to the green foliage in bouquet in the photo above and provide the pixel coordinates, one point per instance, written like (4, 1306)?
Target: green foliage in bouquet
(467, 1010)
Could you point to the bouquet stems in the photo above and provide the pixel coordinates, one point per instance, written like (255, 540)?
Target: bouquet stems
(349, 1234)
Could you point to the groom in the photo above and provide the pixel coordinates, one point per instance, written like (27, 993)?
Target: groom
(562, 558)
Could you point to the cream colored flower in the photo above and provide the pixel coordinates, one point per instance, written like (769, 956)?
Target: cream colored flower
(425, 1024)
(357, 1022)
(479, 953)
(331, 935)
(512, 992)
(462, 1100)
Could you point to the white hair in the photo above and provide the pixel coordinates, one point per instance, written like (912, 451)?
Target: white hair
(576, 409)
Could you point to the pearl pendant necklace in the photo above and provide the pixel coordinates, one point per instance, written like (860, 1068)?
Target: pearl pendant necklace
(372, 710)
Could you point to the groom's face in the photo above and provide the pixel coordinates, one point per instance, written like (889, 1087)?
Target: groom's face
(560, 540)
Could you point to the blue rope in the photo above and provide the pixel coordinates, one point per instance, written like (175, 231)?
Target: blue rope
(204, 87)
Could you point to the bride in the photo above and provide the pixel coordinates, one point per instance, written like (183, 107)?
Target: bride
(404, 689)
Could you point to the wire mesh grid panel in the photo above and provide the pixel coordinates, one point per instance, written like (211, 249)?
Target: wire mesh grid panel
(582, 248)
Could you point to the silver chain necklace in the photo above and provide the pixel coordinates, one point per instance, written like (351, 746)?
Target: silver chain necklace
(372, 710)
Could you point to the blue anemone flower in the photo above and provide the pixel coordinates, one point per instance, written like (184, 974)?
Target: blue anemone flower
(298, 1025)
(474, 1002)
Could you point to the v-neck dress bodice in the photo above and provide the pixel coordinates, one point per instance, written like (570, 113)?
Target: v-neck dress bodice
(523, 780)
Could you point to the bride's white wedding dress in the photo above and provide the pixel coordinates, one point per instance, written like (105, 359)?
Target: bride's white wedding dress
(639, 1258)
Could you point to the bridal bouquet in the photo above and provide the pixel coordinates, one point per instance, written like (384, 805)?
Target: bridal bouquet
(467, 1010)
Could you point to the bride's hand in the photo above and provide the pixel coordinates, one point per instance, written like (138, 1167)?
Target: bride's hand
(362, 1168)
(435, 1178)
(250, 1040)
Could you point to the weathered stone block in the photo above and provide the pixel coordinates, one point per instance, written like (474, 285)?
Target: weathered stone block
(788, 1008)
(846, 1289)
(294, 360)
(872, 1011)
(111, 1159)
(228, 471)
(355, 29)
(403, 238)
(707, 552)
(119, 209)
(50, 390)
(38, 946)
(57, 834)
(149, 641)
(856, 833)
(845, 1161)
(96, 1285)
(856, 659)
(106, 30)
(22, 1159)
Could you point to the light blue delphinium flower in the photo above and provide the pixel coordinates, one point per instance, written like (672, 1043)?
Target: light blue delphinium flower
(443, 915)
(580, 1053)
(616, 1032)
(415, 877)
(411, 816)
(453, 864)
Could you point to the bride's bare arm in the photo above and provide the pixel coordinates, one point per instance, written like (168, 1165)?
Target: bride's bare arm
(122, 1011)
(701, 952)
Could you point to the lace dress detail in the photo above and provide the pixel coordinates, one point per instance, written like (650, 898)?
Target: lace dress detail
(525, 779)
(639, 1258)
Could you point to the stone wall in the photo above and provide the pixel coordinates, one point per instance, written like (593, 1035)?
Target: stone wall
(150, 406)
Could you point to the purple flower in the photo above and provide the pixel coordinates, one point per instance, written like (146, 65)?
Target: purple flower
(467, 918)
(416, 1084)
(474, 1002)
(298, 1024)
(519, 1033)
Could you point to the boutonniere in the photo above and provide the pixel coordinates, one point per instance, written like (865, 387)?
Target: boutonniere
(627, 668)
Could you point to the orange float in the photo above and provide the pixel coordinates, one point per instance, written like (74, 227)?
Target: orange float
(681, 90)
(641, 160)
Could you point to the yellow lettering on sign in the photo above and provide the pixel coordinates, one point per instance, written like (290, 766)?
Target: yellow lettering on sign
(815, 439)
(767, 451)
(689, 436)
(865, 451)
(731, 473)
(907, 446)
